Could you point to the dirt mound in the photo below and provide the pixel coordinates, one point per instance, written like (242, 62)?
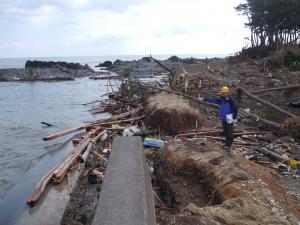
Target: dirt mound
(171, 113)
(237, 211)
(232, 196)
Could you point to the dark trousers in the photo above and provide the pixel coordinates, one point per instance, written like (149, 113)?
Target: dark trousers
(228, 132)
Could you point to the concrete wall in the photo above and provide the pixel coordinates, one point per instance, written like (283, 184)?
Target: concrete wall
(126, 197)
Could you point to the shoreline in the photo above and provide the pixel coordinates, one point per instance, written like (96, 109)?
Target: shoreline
(56, 70)
(216, 74)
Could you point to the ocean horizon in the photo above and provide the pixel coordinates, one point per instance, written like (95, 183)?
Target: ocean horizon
(92, 61)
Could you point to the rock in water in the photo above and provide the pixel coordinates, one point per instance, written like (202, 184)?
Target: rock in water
(105, 64)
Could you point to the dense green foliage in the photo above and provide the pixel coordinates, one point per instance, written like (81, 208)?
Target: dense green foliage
(272, 22)
(286, 57)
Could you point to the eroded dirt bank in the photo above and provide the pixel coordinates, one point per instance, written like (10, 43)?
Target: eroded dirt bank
(203, 184)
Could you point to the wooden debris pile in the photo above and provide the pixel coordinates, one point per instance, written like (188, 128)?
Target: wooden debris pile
(106, 106)
(116, 104)
(261, 147)
(124, 114)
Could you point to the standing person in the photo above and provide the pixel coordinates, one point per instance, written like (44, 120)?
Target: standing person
(227, 115)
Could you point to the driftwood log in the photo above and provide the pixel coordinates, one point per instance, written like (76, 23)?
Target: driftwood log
(112, 119)
(216, 132)
(47, 124)
(275, 89)
(264, 102)
(264, 121)
(63, 133)
(40, 188)
(122, 115)
(252, 61)
(272, 154)
(62, 167)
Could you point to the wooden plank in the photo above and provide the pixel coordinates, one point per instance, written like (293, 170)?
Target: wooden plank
(63, 133)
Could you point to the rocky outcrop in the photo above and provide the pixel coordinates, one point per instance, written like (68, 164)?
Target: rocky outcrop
(118, 62)
(174, 58)
(146, 59)
(46, 71)
(105, 64)
(11, 74)
(52, 64)
(148, 66)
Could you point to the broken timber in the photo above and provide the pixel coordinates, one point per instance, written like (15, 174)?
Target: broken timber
(276, 89)
(264, 102)
(163, 66)
(62, 169)
(58, 172)
(112, 120)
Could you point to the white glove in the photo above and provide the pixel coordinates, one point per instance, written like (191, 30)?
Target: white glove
(200, 99)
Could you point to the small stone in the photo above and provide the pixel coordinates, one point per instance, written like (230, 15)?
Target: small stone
(192, 208)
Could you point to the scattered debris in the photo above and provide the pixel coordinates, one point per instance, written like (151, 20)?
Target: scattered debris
(47, 124)
(194, 180)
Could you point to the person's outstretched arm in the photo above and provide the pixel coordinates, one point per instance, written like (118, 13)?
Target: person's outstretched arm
(212, 100)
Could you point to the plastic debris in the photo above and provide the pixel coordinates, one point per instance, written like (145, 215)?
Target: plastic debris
(150, 142)
(130, 131)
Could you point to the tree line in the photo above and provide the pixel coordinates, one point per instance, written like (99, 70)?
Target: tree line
(273, 23)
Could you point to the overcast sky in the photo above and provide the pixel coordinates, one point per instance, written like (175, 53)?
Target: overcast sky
(107, 27)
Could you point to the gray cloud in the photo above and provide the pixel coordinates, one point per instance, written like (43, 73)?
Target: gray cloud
(60, 27)
(20, 11)
(65, 5)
